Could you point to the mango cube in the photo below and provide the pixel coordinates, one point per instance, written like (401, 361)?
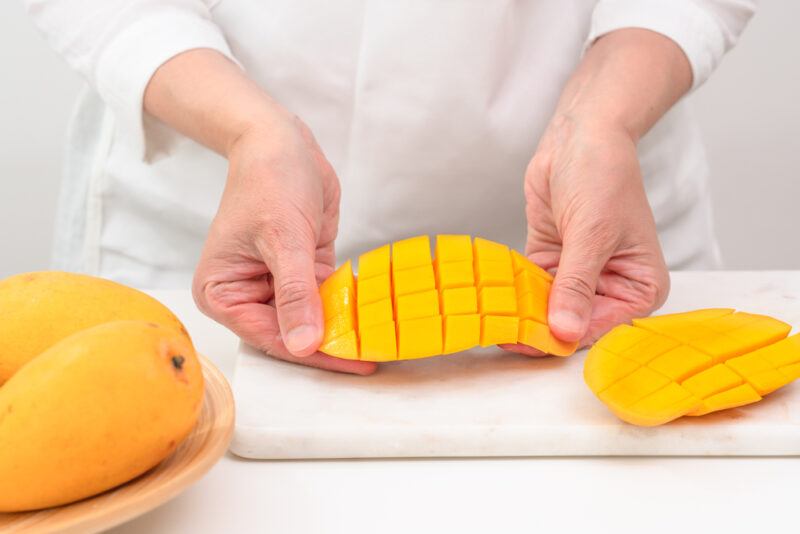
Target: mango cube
(375, 313)
(416, 305)
(486, 250)
(419, 338)
(411, 252)
(498, 329)
(712, 380)
(525, 282)
(663, 405)
(680, 362)
(453, 248)
(414, 280)
(497, 300)
(538, 336)
(344, 346)
(533, 306)
(378, 342)
(374, 263)
(767, 381)
(635, 387)
(338, 326)
(523, 264)
(493, 273)
(461, 332)
(730, 398)
(341, 278)
(622, 338)
(460, 300)
(602, 373)
(340, 301)
(456, 274)
(374, 289)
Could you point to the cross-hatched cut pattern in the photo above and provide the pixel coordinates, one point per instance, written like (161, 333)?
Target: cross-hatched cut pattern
(406, 304)
(693, 363)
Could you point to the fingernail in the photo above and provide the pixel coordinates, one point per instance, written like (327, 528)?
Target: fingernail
(567, 321)
(300, 338)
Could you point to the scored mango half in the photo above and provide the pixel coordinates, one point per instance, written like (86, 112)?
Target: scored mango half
(693, 363)
(406, 304)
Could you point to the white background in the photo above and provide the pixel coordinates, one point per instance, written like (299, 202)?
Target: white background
(749, 111)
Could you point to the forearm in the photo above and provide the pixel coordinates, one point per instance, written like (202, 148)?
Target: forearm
(207, 97)
(629, 78)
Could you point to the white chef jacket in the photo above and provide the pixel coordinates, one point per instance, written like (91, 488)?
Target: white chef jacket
(429, 110)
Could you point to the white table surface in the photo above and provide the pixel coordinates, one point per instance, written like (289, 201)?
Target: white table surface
(599, 494)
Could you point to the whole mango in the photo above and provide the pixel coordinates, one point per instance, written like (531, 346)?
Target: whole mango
(39, 309)
(95, 410)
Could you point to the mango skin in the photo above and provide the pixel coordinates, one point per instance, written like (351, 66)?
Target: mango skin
(39, 309)
(94, 411)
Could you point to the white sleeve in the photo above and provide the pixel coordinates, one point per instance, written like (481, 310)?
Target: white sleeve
(704, 29)
(117, 45)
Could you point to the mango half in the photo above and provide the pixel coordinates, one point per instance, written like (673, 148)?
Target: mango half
(692, 363)
(406, 304)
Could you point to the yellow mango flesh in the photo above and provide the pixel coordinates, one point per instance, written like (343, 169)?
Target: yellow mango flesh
(409, 304)
(39, 309)
(692, 363)
(95, 410)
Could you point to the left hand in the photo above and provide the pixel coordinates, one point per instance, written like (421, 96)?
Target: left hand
(588, 216)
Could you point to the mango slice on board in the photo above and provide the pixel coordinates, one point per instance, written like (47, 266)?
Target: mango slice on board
(407, 303)
(692, 363)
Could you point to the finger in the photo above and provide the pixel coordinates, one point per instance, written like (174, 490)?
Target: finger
(572, 295)
(257, 325)
(618, 300)
(291, 258)
(519, 348)
(260, 329)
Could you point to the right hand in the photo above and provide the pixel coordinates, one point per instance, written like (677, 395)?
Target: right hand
(271, 243)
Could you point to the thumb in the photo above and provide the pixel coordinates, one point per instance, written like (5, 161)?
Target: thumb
(570, 307)
(291, 261)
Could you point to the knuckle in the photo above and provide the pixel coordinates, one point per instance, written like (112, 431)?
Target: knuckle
(659, 290)
(539, 166)
(576, 285)
(199, 295)
(292, 292)
(268, 348)
(596, 236)
(279, 235)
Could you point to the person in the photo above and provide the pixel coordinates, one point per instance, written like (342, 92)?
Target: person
(560, 126)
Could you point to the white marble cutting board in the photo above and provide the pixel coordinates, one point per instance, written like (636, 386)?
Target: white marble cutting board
(491, 403)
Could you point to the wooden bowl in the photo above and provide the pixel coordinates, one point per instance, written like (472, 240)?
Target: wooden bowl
(197, 454)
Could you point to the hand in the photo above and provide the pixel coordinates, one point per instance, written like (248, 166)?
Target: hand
(272, 238)
(587, 211)
(588, 217)
(270, 244)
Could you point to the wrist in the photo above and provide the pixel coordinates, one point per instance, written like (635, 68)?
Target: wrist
(264, 124)
(589, 125)
(628, 79)
(207, 97)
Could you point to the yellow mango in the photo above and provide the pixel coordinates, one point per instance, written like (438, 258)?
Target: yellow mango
(95, 410)
(693, 363)
(39, 309)
(470, 293)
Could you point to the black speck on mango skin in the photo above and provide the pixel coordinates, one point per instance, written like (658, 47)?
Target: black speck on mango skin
(177, 362)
